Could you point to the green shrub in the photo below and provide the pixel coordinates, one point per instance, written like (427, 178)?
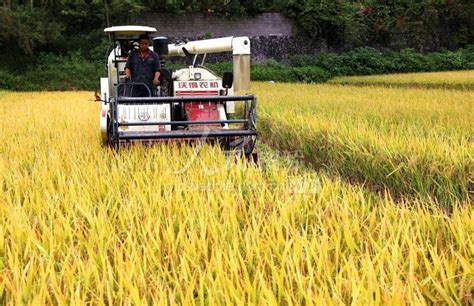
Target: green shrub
(407, 60)
(54, 72)
(445, 61)
(264, 73)
(220, 68)
(468, 55)
(302, 60)
(9, 81)
(75, 71)
(308, 75)
(367, 61)
(333, 63)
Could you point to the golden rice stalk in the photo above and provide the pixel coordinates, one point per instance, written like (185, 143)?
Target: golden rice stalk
(81, 223)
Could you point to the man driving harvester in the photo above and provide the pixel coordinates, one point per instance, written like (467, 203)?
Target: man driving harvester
(143, 66)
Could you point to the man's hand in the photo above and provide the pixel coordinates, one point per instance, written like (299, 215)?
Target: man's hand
(128, 74)
(156, 79)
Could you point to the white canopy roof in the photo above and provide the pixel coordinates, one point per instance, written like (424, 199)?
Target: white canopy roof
(129, 30)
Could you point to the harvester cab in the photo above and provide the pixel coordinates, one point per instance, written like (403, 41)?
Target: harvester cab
(190, 104)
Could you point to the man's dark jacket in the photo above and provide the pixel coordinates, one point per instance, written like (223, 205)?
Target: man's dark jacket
(143, 70)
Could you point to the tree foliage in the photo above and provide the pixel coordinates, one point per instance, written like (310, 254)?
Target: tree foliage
(27, 30)
(357, 23)
(40, 25)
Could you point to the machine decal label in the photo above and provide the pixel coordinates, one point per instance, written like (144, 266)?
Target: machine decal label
(198, 84)
(163, 114)
(144, 116)
(196, 93)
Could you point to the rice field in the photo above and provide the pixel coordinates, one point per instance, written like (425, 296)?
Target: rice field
(461, 80)
(414, 142)
(81, 223)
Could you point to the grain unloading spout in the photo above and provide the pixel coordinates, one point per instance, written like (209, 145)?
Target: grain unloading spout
(241, 59)
(240, 47)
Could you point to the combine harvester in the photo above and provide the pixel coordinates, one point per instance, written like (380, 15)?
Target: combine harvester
(189, 104)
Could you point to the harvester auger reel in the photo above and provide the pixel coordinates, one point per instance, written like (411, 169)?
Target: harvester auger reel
(190, 104)
(246, 145)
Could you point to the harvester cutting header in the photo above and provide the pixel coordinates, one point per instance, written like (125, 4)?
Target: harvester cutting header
(188, 104)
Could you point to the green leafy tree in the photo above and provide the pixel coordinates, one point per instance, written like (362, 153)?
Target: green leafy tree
(27, 30)
(326, 19)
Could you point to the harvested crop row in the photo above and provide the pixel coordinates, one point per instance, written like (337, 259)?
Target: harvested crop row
(413, 142)
(460, 80)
